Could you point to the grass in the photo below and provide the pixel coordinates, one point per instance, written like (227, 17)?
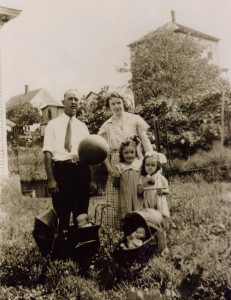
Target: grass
(197, 266)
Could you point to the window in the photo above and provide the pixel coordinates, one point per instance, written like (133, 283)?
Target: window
(210, 55)
(49, 114)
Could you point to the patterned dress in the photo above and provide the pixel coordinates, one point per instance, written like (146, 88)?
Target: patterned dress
(128, 196)
(117, 133)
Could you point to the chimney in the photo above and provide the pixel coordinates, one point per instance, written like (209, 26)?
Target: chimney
(26, 89)
(173, 16)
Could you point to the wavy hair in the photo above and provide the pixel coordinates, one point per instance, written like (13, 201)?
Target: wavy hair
(115, 95)
(132, 141)
(143, 172)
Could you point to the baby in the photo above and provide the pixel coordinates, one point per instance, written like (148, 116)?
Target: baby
(83, 221)
(135, 239)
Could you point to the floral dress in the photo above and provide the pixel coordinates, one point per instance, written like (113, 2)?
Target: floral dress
(151, 198)
(128, 196)
(116, 133)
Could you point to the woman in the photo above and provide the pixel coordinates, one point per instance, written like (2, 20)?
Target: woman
(116, 130)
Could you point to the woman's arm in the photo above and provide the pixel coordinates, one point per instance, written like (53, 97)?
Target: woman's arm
(144, 139)
(107, 160)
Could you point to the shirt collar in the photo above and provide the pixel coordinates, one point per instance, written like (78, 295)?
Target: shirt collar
(66, 117)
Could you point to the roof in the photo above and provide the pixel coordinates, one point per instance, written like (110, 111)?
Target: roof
(177, 28)
(90, 93)
(196, 33)
(27, 97)
(54, 105)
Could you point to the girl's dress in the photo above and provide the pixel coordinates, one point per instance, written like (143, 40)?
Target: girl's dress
(128, 196)
(117, 133)
(151, 198)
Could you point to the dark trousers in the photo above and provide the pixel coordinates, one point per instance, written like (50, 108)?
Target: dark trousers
(74, 192)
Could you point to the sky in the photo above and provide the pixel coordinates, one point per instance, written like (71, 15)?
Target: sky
(65, 44)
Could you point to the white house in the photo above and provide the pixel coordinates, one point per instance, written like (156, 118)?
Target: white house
(38, 98)
(6, 14)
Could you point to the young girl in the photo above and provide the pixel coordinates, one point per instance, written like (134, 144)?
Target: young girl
(153, 186)
(129, 171)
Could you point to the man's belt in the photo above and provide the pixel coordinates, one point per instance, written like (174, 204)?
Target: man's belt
(66, 162)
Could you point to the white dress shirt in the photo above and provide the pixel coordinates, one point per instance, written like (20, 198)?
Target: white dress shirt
(54, 137)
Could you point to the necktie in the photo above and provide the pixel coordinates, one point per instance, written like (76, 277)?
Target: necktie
(67, 144)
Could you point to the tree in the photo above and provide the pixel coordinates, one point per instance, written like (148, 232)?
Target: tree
(172, 79)
(170, 65)
(24, 114)
(97, 114)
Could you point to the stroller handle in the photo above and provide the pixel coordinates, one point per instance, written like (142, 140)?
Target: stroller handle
(103, 206)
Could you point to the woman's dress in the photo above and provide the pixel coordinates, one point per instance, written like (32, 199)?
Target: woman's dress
(116, 133)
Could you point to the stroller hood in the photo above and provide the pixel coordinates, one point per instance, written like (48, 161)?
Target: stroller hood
(148, 218)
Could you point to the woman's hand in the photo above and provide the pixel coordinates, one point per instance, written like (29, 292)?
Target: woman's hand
(112, 172)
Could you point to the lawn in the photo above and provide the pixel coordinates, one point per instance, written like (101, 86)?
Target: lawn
(197, 267)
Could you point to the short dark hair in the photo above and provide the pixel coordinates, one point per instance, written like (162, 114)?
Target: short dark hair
(115, 95)
(143, 172)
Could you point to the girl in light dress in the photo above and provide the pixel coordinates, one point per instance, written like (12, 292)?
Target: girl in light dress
(153, 186)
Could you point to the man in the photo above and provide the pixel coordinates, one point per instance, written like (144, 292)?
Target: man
(68, 179)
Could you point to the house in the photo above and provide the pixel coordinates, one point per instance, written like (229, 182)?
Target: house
(40, 99)
(37, 98)
(49, 112)
(209, 42)
(6, 15)
(90, 98)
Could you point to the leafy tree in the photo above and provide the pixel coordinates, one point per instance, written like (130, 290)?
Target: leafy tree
(171, 65)
(172, 79)
(24, 114)
(96, 114)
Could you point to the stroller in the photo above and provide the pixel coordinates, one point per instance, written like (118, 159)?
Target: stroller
(151, 220)
(79, 244)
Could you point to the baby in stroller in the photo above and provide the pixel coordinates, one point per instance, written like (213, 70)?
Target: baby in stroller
(134, 240)
(83, 220)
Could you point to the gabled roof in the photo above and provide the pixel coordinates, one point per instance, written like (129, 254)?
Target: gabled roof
(184, 29)
(23, 98)
(177, 28)
(91, 93)
(27, 97)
